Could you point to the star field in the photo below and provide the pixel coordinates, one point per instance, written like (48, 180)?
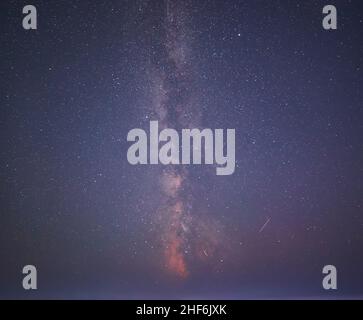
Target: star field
(97, 227)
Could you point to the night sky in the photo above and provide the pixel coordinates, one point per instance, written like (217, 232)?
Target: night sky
(96, 226)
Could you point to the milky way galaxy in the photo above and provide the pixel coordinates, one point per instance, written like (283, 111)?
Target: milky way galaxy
(175, 107)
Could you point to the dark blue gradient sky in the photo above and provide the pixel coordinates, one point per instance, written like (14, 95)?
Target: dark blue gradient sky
(97, 227)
